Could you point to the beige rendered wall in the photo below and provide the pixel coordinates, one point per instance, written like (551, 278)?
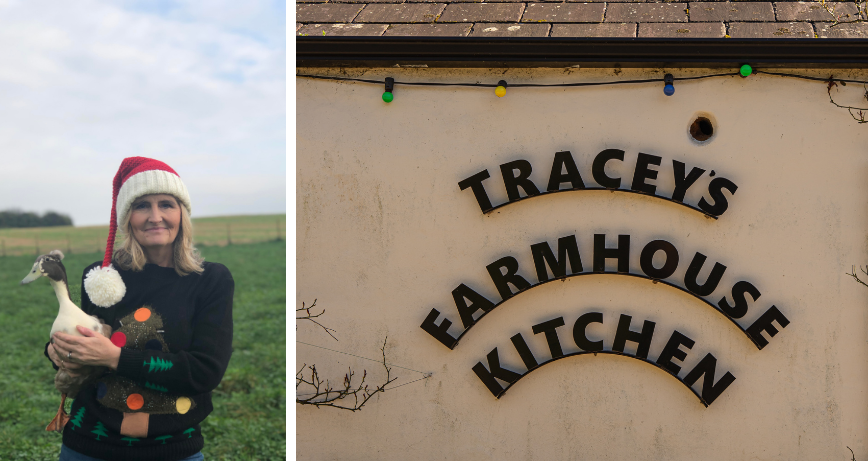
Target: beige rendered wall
(384, 234)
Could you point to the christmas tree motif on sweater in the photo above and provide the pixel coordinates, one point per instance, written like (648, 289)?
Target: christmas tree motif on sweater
(130, 440)
(190, 432)
(142, 330)
(158, 364)
(76, 421)
(99, 430)
(163, 438)
(155, 387)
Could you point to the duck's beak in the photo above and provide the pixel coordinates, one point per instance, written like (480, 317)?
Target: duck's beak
(34, 274)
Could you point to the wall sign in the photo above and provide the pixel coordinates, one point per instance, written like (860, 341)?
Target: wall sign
(566, 261)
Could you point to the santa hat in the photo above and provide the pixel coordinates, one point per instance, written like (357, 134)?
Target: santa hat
(137, 176)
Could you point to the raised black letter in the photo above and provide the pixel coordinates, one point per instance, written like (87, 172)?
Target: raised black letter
(693, 271)
(439, 332)
(512, 182)
(502, 281)
(621, 253)
(477, 301)
(642, 339)
(581, 337)
(598, 169)
(564, 159)
(524, 351)
(568, 248)
(475, 184)
(487, 377)
(673, 349)
(682, 183)
(551, 335)
(764, 323)
(714, 189)
(710, 390)
(642, 172)
(738, 292)
(646, 259)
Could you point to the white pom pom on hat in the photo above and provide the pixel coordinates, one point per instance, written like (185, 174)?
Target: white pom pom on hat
(137, 176)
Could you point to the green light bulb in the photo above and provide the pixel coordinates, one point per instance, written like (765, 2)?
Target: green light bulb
(387, 96)
(745, 70)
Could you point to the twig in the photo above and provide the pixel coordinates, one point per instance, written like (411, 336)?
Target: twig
(856, 277)
(861, 13)
(325, 395)
(308, 316)
(862, 110)
(852, 455)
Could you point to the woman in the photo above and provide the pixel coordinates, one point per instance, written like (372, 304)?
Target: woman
(171, 314)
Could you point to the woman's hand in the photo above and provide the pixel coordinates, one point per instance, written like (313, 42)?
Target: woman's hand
(92, 349)
(72, 369)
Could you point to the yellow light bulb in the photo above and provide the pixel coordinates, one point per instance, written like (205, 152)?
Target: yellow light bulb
(500, 91)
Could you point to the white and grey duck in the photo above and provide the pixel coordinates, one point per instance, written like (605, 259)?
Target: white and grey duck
(68, 317)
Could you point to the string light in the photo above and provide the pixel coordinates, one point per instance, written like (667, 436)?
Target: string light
(390, 86)
(668, 87)
(500, 91)
(744, 70)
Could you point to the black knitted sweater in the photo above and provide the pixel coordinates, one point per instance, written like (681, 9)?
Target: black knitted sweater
(182, 362)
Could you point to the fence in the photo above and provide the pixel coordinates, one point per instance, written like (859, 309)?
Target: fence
(221, 230)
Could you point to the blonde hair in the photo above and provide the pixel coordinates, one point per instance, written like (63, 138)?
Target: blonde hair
(130, 256)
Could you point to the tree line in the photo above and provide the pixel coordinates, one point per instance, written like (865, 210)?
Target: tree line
(19, 218)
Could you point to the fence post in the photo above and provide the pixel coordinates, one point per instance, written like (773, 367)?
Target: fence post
(37, 244)
(68, 247)
(228, 234)
(278, 230)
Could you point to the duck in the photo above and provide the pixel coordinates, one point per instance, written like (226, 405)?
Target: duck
(68, 317)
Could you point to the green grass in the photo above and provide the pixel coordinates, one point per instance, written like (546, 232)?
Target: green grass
(249, 418)
(218, 230)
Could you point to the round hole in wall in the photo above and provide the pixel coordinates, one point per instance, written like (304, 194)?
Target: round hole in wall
(701, 129)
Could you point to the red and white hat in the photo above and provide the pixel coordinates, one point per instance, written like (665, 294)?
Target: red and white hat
(137, 176)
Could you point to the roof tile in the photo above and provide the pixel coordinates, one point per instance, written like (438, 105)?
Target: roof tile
(428, 30)
(681, 30)
(482, 12)
(563, 12)
(510, 30)
(730, 11)
(404, 12)
(646, 12)
(812, 11)
(327, 12)
(852, 30)
(770, 30)
(342, 30)
(594, 30)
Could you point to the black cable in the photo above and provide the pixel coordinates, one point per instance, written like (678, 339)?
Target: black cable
(515, 85)
(617, 82)
(808, 77)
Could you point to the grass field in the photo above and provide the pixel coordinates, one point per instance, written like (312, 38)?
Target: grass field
(249, 418)
(207, 231)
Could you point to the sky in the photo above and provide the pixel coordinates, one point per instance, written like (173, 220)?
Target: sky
(197, 84)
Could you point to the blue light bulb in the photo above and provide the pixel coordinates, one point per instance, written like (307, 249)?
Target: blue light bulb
(669, 89)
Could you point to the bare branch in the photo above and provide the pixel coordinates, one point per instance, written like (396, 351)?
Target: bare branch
(862, 111)
(861, 13)
(347, 397)
(308, 316)
(856, 277)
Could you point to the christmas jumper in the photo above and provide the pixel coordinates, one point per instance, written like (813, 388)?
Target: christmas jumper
(175, 335)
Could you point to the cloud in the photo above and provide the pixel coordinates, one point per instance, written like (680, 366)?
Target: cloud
(199, 85)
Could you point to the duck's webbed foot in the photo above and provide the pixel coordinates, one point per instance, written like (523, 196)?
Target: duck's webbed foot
(60, 419)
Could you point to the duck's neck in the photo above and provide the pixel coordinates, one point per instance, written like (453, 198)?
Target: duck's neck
(61, 290)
